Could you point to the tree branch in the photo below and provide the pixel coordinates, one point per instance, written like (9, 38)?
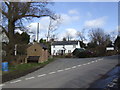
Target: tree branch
(4, 13)
(4, 30)
(7, 4)
(22, 16)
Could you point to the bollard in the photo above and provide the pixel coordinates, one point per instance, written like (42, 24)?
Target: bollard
(4, 66)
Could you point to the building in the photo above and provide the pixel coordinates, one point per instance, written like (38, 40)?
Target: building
(64, 47)
(110, 48)
(37, 53)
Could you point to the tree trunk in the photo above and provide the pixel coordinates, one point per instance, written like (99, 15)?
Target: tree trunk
(11, 44)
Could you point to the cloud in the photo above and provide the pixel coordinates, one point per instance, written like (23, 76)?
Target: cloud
(73, 11)
(67, 19)
(99, 22)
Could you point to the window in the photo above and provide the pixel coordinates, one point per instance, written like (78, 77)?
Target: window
(69, 51)
(35, 49)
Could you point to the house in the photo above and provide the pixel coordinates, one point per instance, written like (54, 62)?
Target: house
(64, 47)
(110, 48)
(37, 53)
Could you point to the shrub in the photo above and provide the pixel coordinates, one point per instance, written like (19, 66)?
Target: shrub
(83, 54)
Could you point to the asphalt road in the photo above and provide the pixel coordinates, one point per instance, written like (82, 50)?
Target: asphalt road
(66, 73)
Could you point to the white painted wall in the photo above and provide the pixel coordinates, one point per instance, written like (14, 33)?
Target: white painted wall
(67, 47)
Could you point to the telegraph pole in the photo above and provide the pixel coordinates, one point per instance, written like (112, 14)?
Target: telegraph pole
(38, 32)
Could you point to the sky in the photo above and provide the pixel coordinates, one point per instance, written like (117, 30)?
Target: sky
(76, 16)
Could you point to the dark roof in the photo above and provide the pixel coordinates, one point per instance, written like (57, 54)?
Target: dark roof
(43, 46)
(65, 43)
(110, 46)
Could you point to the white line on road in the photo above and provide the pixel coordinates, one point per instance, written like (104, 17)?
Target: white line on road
(79, 65)
(52, 72)
(16, 81)
(29, 78)
(74, 66)
(67, 68)
(96, 60)
(41, 75)
(84, 64)
(60, 70)
(2, 85)
(88, 63)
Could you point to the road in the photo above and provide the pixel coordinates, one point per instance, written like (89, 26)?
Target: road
(66, 73)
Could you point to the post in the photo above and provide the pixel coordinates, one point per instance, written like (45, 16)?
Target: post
(38, 32)
(15, 49)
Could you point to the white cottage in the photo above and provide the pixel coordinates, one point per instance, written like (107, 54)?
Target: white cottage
(64, 47)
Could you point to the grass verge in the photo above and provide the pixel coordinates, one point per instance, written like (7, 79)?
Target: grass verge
(22, 69)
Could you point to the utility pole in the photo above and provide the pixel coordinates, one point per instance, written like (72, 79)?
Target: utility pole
(38, 32)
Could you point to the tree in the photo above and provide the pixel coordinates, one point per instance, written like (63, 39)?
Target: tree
(98, 41)
(68, 36)
(25, 38)
(117, 42)
(53, 26)
(14, 14)
(81, 35)
(98, 37)
(42, 40)
(64, 39)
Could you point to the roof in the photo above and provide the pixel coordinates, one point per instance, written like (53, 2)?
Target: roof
(65, 43)
(43, 46)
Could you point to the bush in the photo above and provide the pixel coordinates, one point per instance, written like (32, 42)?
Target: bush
(83, 54)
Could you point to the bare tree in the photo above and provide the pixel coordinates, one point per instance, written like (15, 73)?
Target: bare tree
(53, 26)
(15, 13)
(98, 36)
(68, 36)
(81, 35)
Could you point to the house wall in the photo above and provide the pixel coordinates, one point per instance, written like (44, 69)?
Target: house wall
(60, 47)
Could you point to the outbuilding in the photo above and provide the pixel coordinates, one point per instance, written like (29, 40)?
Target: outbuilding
(37, 52)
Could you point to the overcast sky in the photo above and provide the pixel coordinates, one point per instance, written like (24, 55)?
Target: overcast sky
(79, 15)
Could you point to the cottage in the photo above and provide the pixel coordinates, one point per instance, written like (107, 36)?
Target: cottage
(37, 53)
(64, 47)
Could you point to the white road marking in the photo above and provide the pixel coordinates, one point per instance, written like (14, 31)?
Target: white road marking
(74, 66)
(41, 75)
(2, 85)
(92, 61)
(84, 64)
(88, 63)
(29, 78)
(79, 65)
(16, 81)
(60, 70)
(67, 68)
(96, 60)
(52, 72)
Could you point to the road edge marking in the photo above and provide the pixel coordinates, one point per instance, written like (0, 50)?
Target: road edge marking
(29, 78)
(41, 75)
(15, 81)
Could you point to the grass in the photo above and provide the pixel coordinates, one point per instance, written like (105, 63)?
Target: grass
(26, 66)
